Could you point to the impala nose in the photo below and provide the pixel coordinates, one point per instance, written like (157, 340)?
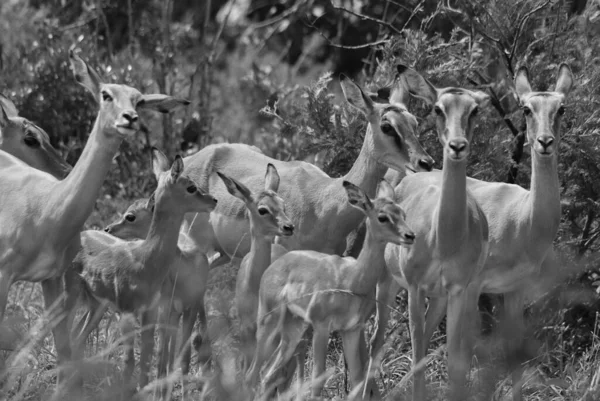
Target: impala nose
(107, 229)
(426, 164)
(131, 116)
(546, 141)
(410, 236)
(458, 145)
(288, 228)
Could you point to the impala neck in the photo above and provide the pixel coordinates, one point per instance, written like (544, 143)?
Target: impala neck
(452, 207)
(259, 257)
(75, 196)
(163, 235)
(366, 172)
(544, 213)
(370, 264)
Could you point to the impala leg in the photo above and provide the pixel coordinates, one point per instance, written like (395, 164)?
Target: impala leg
(5, 283)
(320, 340)
(513, 306)
(52, 290)
(202, 342)
(266, 328)
(128, 333)
(416, 309)
(433, 317)
(189, 318)
(148, 326)
(168, 324)
(352, 341)
(458, 361)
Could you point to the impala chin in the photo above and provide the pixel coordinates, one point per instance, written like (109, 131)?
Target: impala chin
(126, 130)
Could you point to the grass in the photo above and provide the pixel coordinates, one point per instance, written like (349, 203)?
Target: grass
(564, 350)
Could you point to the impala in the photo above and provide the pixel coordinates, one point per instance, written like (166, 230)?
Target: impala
(316, 203)
(522, 223)
(452, 236)
(183, 292)
(35, 205)
(266, 211)
(28, 142)
(132, 276)
(327, 292)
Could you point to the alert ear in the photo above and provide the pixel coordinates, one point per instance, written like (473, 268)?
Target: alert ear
(85, 75)
(271, 178)
(565, 80)
(160, 163)
(357, 197)
(385, 190)
(415, 84)
(522, 86)
(356, 96)
(236, 188)
(176, 168)
(161, 103)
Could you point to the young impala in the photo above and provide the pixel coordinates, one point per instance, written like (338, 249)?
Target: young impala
(327, 292)
(129, 275)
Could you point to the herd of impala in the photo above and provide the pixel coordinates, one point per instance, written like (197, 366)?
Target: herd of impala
(438, 234)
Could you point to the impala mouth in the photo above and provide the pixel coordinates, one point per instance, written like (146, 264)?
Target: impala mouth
(126, 129)
(409, 167)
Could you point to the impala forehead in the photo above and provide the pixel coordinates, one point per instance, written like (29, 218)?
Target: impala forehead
(456, 102)
(387, 205)
(122, 92)
(540, 102)
(398, 115)
(270, 198)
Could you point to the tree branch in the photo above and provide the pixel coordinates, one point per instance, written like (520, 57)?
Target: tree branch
(366, 17)
(522, 24)
(375, 43)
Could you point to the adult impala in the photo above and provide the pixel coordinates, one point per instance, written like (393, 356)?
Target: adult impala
(451, 230)
(28, 142)
(316, 203)
(36, 206)
(522, 223)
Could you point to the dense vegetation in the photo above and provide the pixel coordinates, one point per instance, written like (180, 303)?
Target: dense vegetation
(265, 73)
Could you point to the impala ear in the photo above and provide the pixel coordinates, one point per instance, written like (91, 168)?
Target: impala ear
(357, 197)
(385, 190)
(522, 86)
(411, 82)
(236, 188)
(565, 80)
(271, 178)
(177, 168)
(159, 102)
(85, 75)
(151, 202)
(7, 110)
(160, 163)
(355, 95)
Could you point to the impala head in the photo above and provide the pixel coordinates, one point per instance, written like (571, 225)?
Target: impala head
(135, 222)
(28, 142)
(266, 208)
(119, 103)
(393, 128)
(177, 190)
(455, 110)
(543, 110)
(385, 218)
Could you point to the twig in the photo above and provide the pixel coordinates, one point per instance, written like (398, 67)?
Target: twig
(366, 17)
(278, 18)
(522, 24)
(77, 24)
(413, 13)
(375, 43)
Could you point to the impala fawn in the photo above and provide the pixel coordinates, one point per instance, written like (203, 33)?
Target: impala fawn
(327, 292)
(129, 275)
(266, 211)
(183, 292)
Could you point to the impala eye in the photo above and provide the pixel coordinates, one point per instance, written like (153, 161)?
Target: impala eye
(561, 110)
(387, 129)
(191, 189)
(31, 141)
(438, 110)
(130, 218)
(263, 210)
(383, 219)
(106, 97)
(526, 111)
